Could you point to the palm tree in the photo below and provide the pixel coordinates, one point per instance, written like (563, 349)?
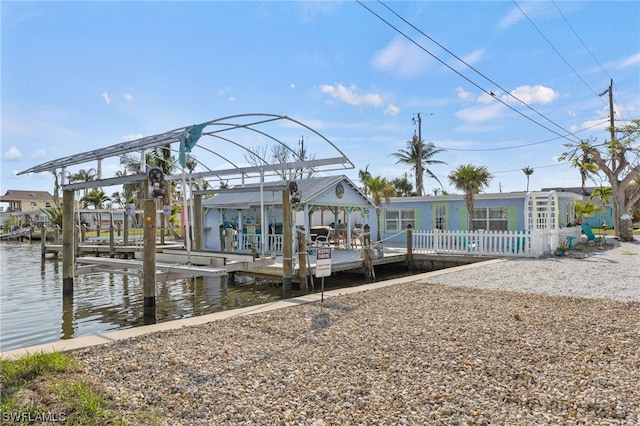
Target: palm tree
(83, 176)
(528, 171)
(470, 179)
(584, 163)
(96, 198)
(586, 209)
(402, 186)
(365, 176)
(604, 193)
(380, 190)
(419, 162)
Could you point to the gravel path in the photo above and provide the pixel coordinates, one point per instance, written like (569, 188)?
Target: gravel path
(476, 346)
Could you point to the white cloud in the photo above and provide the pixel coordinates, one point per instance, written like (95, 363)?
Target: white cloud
(106, 98)
(391, 110)
(128, 97)
(292, 86)
(482, 113)
(463, 94)
(350, 95)
(12, 154)
(631, 61)
(533, 95)
(232, 99)
(485, 98)
(474, 56)
(401, 57)
(515, 15)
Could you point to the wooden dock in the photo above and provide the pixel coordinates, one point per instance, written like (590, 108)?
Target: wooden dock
(175, 264)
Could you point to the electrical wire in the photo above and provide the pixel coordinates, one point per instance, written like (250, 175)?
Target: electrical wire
(488, 92)
(520, 146)
(588, 50)
(556, 50)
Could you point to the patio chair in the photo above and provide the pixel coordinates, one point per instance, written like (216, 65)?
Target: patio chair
(586, 230)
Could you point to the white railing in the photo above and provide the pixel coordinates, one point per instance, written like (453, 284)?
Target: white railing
(491, 243)
(245, 242)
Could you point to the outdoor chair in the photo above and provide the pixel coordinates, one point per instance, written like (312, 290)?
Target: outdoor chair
(586, 230)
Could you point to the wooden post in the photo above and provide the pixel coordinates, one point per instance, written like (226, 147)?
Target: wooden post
(410, 246)
(43, 240)
(68, 242)
(228, 239)
(302, 259)
(369, 272)
(197, 222)
(112, 241)
(125, 231)
(149, 262)
(162, 227)
(287, 246)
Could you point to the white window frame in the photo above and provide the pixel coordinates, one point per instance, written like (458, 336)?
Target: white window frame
(400, 220)
(490, 220)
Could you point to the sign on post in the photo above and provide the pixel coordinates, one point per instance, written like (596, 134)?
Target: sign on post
(323, 262)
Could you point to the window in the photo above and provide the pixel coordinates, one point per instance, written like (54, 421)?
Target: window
(33, 203)
(47, 204)
(491, 218)
(440, 216)
(398, 220)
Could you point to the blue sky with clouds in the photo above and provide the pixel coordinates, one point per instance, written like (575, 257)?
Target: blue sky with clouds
(78, 76)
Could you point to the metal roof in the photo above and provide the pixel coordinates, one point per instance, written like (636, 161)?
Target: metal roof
(310, 189)
(218, 142)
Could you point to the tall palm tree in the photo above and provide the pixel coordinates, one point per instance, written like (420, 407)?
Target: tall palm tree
(420, 162)
(381, 190)
(402, 186)
(83, 175)
(470, 179)
(528, 171)
(96, 198)
(365, 176)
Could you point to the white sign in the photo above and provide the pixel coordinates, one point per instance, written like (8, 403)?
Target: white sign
(323, 262)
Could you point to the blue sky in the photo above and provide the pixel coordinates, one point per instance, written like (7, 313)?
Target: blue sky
(78, 76)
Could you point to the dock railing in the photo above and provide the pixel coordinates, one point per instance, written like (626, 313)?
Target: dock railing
(491, 243)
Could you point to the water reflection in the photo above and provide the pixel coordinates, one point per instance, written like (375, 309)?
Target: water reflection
(33, 310)
(67, 317)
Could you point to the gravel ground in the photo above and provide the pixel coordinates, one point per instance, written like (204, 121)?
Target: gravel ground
(521, 342)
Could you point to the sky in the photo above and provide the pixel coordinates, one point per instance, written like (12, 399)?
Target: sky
(500, 84)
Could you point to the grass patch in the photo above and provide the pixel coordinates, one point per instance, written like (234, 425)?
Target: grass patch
(49, 387)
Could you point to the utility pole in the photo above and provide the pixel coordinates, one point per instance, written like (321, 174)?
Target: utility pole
(616, 219)
(418, 147)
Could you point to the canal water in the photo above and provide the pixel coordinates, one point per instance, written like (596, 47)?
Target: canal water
(33, 310)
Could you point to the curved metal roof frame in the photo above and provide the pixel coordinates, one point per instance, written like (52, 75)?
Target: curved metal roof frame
(173, 136)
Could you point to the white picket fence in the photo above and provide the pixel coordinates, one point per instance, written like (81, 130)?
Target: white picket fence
(492, 243)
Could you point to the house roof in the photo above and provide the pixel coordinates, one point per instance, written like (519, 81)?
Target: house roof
(19, 195)
(311, 191)
(489, 196)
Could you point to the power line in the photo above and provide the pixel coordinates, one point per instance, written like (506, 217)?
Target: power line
(588, 50)
(556, 50)
(580, 39)
(488, 92)
(520, 146)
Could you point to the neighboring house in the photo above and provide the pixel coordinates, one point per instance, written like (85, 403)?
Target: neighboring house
(514, 211)
(321, 202)
(605, 216)
(25, 205)
(26, 201)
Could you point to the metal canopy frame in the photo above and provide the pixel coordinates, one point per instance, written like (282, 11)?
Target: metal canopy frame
(212, 128)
